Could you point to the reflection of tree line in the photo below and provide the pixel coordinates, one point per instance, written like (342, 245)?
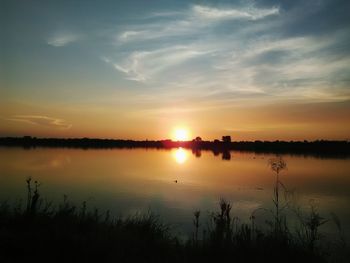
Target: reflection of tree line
(318, 148)
(225, 154)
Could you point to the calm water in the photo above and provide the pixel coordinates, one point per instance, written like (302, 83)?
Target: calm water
(130, 181)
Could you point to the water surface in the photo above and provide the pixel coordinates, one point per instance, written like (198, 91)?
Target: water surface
(174, 183)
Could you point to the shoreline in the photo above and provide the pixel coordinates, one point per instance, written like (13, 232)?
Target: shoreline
(320, 148)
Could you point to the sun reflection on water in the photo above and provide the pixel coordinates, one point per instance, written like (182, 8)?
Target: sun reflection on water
(180, 155)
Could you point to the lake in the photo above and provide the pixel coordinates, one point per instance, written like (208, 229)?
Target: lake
(174, 183)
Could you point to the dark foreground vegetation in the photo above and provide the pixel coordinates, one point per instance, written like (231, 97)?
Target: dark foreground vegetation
(321, 148)
(38, 231)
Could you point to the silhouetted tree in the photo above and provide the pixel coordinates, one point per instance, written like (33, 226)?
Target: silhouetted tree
(226, 138)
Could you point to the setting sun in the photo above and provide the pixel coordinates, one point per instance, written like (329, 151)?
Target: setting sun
(181, 135)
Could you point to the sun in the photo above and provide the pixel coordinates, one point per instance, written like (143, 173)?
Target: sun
(181, 135)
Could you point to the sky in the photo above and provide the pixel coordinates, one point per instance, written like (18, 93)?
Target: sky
(255, 70)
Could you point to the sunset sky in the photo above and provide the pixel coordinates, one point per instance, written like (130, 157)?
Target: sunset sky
(255, 70)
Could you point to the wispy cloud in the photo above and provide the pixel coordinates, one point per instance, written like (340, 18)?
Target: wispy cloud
(180, 32)
(251, 13)
(41, 121)
(191, 21)
(232, 52)
(62, 39)
(144, 65)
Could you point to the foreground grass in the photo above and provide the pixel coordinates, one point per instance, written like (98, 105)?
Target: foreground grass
(41, 232)
(71, 234)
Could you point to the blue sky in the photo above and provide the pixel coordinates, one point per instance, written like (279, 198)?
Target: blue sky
(171, 63)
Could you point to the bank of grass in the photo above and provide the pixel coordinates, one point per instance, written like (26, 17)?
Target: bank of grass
(39, 232)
